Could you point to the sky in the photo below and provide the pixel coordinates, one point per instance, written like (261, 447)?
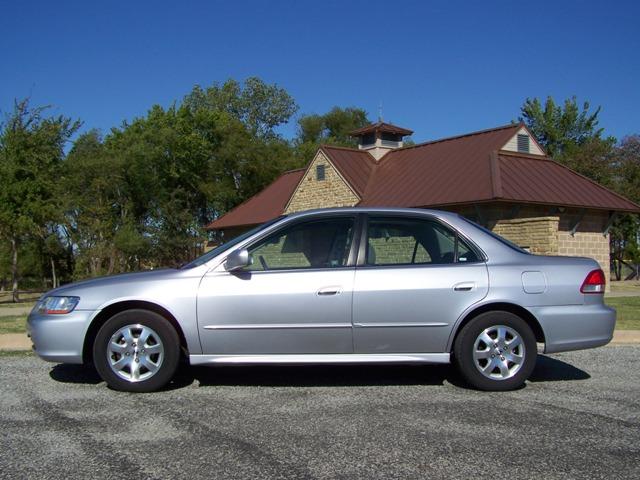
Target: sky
(440, 68)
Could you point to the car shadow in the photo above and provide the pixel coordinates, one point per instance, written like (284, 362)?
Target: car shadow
(550, 369)
(319, 375)
(547, 369)
(70, 373)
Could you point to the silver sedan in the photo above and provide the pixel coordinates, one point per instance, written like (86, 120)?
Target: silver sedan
(334, 286)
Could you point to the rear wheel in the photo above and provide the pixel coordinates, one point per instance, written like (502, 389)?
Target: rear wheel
(495, 351)
(136, 351)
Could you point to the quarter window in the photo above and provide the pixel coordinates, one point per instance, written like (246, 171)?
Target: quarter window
(394, 241)
(317, 244)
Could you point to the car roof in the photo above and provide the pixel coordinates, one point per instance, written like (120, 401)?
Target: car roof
(392, 210)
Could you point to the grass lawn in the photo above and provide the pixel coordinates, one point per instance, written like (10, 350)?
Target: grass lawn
(628, 309)
(25, 298)
(16, 353)
(4, 305)
(13, 324)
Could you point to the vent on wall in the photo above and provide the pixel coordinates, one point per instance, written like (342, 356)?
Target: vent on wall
(523, 143)
(320, 172)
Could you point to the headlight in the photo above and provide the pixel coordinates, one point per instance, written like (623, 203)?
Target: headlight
(57, 305)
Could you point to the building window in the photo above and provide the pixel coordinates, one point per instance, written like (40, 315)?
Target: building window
(320, 173)
(523, 143)
(368, 139)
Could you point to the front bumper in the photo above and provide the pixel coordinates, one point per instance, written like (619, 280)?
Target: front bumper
(575, 327)
(59, 338)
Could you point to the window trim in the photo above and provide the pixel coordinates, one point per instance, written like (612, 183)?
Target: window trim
(355, 240)
(361, 261)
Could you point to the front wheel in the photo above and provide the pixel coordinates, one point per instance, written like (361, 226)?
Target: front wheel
(136, 351)
(496, 351)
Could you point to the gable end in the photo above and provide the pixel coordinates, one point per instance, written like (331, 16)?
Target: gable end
(321, 191)
(523, 142)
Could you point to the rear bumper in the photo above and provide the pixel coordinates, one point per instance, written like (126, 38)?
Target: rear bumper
(59, 338)
(575, 327)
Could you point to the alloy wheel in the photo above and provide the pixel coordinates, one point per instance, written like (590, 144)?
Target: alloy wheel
(499, 352)
(135, 352)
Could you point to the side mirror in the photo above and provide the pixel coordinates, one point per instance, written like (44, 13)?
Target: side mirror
(237, 260)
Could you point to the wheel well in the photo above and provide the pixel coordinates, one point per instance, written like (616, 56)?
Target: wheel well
(521, 312)
(111, 310)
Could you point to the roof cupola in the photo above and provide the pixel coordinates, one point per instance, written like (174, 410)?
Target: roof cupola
(380, 138)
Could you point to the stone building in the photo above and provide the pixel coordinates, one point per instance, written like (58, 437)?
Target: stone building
(500, 178)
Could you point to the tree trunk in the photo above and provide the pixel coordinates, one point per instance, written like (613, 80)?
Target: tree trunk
(112, 263)
(14, 270)
(54, 278)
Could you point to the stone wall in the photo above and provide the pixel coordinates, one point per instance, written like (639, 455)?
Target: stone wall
(538, 235)
(313, 193)
(588, 240)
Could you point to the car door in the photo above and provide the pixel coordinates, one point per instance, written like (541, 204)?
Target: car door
(415, 277)
(295, 298)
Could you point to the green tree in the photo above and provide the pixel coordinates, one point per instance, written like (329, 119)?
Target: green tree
(98, 204)
(561, 129)
(627, 161)
(333, 128)
(625, 232)
(259, 106)
(140, 197)
(31, 155)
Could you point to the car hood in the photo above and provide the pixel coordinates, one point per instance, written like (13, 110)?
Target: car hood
(122, 280)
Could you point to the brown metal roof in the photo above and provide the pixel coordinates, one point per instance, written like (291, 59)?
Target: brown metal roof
(265, 205)
(452, 170)
(354, 165)
(381, 127)
(543, 180)
(458, 170)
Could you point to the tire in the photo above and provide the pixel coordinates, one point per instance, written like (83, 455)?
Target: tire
(482, 359)
(127, 364)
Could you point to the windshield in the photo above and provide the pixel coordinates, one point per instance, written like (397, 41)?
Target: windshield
(497, 237)
(226, 246)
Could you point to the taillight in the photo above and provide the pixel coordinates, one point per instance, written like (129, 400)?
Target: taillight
(594, 283)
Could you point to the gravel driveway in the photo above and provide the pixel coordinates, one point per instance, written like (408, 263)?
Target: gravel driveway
(578, 418)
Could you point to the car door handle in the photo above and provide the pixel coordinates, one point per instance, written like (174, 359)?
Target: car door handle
(464, 286)
(327, 291)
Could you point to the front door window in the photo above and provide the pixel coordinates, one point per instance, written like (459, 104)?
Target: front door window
(310, 245)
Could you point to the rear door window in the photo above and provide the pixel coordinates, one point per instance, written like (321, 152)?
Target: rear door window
(413, 241)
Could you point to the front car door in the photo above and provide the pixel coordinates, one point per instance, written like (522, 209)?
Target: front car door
(416, 278)
(295, 298)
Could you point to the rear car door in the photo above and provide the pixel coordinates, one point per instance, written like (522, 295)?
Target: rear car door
(294, 299)
(415, 277)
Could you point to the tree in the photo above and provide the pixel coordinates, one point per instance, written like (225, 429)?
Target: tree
(31, 154)
(259, 106)
(561, 130)
(140, 196)
(627, 160)
(334, 127)
(624, 233)
(97, 204)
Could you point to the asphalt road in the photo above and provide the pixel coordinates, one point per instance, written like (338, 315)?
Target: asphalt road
(579, 417)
